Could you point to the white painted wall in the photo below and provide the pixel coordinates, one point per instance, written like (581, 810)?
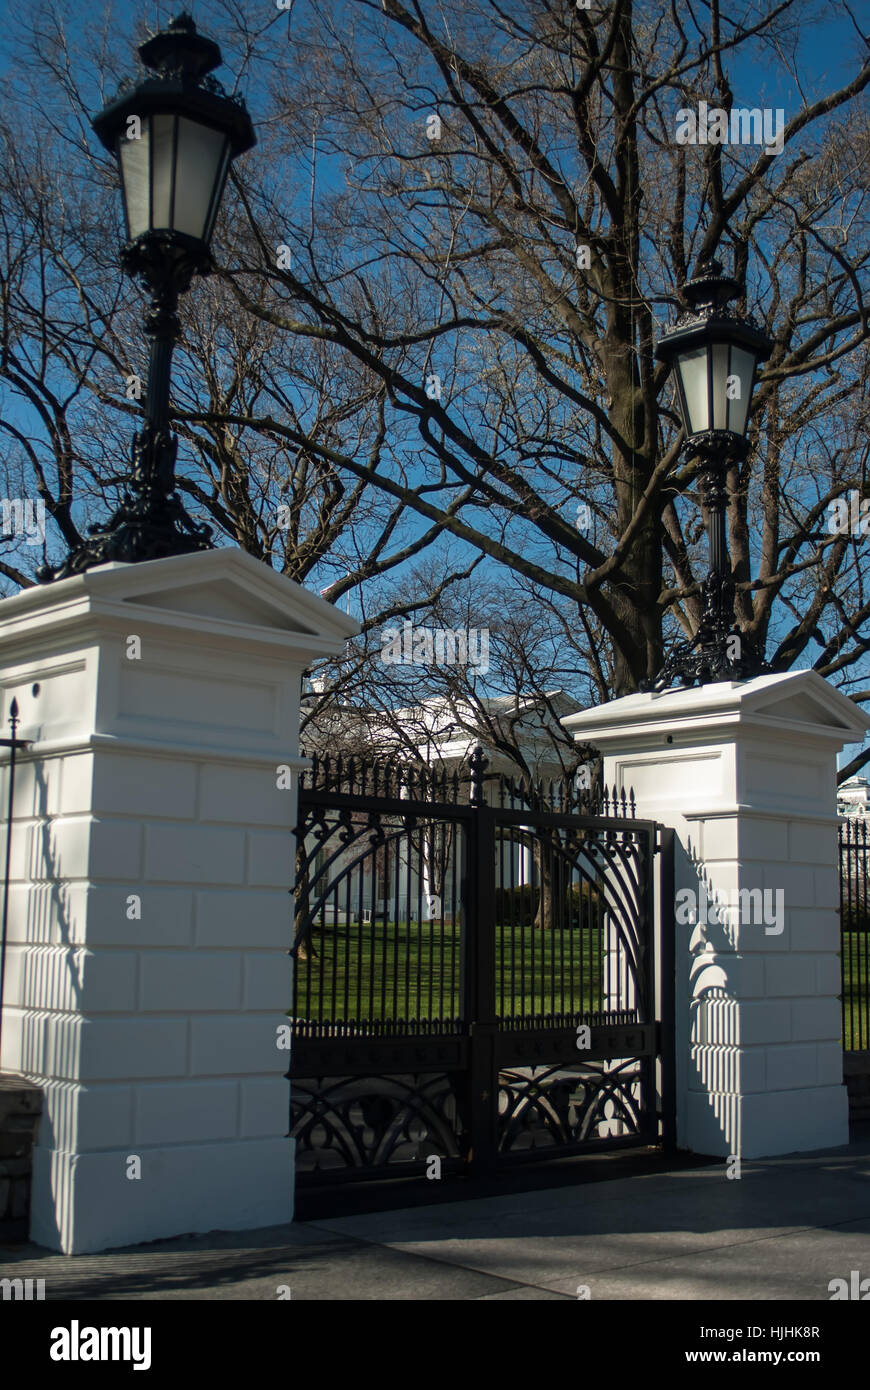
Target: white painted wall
(156, 777)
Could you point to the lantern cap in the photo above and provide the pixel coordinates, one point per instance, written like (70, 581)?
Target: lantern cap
(179, 82)
(709, 286)
(708, 318)
(178, 50)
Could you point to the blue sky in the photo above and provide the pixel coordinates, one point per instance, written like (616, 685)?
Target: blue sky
(825, 49)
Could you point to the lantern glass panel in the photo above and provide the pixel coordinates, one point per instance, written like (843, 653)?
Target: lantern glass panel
(162, 171)
(743, 367)
(201, 160)
(218, 192)
(719, 386)
(692, 367)
(134, 156)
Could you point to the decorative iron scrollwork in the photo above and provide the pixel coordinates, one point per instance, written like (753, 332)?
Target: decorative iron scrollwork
(568, 1106)
(402, 1051)
(368, 1122)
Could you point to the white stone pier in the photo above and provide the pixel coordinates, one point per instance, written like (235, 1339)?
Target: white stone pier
(745, 774)
(150, 917)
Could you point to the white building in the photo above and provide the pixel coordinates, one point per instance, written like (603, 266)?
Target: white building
(853, 799)
(443, 733)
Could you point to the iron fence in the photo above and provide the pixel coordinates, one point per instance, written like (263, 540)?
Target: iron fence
(385, 858)
(474, 971)
(855, 933)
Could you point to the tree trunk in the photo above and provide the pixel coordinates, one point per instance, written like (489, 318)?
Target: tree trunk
(554, 883)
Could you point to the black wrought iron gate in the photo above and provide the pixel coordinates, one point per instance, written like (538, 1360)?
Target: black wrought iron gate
(475, 974)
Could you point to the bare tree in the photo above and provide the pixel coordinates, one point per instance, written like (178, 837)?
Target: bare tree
(554, 134)
(488, 216)
(73, 355)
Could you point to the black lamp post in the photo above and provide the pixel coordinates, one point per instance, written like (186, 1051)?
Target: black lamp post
(174, 135)
(714, 355)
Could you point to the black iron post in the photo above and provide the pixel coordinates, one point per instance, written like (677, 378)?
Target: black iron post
(151, 521)
(480, 979)
(13, 744)
(666, 967)
(719, 651)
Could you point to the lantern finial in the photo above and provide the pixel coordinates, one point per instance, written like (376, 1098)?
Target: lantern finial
(709, 288)
(179, 51)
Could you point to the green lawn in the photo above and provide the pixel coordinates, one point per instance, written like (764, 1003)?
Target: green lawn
(415, 973)
(856, 990)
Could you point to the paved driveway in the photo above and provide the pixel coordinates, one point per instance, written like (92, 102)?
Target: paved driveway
(784, 1230)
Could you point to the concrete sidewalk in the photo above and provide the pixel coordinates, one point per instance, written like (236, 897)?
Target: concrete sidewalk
(784, 1230)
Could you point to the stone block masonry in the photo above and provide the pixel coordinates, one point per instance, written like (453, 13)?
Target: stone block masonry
(745, 775)
(150, 911)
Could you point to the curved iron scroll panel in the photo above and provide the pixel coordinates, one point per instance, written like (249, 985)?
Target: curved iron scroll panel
(566, 1106)
(616, 867)
(618, 864)
(322, 829)
(373, 1122)
(378, 837)
(623, 853)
